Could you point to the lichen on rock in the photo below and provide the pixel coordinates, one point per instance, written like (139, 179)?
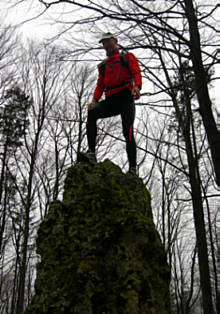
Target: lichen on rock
(100, 251)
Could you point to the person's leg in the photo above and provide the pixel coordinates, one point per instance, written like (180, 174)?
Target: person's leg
(102, 109)
(128, 116)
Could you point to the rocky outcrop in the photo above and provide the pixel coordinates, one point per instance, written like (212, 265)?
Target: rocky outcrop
(100, 251)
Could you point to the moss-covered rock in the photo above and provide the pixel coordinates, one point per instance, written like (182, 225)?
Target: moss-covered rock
(100, 251)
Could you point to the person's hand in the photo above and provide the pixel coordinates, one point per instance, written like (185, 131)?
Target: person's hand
(91, 104)
(136, 92)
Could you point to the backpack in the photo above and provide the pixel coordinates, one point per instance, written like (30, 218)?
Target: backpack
(123, 62)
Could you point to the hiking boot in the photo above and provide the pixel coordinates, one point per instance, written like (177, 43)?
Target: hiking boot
(91, 157)
(133, 171)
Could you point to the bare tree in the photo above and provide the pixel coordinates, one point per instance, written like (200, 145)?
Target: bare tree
(40, 74)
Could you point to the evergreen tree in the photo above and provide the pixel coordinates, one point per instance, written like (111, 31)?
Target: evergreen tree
(13, 123)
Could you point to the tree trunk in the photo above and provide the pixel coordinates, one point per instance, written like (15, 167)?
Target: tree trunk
(205, 104)
(212, 246)
(22, 277)
(200, 235)
(198, 212)
(195, 183)
(2, 182)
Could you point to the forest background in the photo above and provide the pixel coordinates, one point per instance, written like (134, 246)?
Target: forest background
(46, 82)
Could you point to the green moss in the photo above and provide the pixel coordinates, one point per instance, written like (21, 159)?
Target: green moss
(100, 250)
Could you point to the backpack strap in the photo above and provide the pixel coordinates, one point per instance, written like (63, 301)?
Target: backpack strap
(101, 67)
(124, 61)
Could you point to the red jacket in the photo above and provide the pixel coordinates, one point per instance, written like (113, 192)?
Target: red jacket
(116, 74)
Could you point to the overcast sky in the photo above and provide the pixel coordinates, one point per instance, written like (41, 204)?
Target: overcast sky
(44, 27)
(25, 15)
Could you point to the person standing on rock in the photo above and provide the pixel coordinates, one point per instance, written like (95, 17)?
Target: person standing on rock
(120, 79)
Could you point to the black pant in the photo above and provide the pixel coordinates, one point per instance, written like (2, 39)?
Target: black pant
(121, 103)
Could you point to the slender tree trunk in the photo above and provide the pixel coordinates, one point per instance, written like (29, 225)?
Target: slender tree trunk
(15, 281)
(205, 104)
(2, 178)
(22, 277)
(2, 182)
(200, 234)
(218, 254)
(56, 184)
(195, 183)
(80, 128)
(191, 281)
(215, 271)
(198, 211)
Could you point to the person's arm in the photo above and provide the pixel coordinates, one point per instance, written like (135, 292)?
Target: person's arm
(136, 92)
(134, 68)
(93, 102)
(136, 74)
(98, 91)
